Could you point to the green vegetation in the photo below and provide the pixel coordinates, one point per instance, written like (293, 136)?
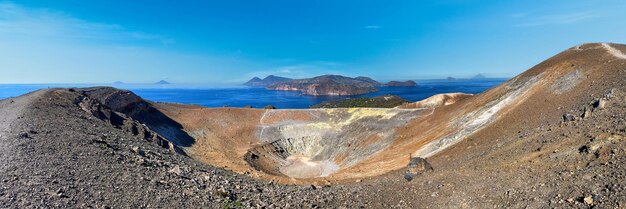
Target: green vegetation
(385, 101)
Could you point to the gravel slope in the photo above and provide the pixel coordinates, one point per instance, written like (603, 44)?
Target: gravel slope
(57, 155)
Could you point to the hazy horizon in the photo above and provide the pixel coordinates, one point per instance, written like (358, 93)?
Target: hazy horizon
(227, 43)
(241, 84)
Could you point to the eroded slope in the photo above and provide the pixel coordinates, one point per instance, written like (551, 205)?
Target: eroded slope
(341, 145)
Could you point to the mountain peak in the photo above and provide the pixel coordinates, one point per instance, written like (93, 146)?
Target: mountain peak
(479, 76)
(269, 80)
(162, 82)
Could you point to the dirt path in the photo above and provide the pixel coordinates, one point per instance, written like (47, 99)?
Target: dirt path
(11, 110)
(615, 52)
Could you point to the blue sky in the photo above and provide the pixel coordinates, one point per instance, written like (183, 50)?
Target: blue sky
(228, 42)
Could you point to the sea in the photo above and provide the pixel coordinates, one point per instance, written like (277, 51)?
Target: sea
(241, 96)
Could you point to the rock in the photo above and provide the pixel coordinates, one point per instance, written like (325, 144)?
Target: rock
(141, 152)
(416, 166)
(611, 94)
(24, 135)
(586, 113)
(569, 117)
(269, 107)
(176, 170)
(248, 106)
(600, 104)
(588, 200)
(408, 176)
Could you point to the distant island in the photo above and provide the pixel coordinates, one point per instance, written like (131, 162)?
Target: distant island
(162, 82)
(479, 76)
(118, 82)
(267, 81)
(401, 83)
(475, 77)
(329, 85)
(325, 85)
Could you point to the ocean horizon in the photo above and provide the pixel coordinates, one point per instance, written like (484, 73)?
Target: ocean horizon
(242, 96)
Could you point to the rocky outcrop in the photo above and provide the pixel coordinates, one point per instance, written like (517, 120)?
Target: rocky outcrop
(116, 99)
(400, 83)
(122, 121)
(417, 166)
(129, 104)
(267, 81)
(329, 85)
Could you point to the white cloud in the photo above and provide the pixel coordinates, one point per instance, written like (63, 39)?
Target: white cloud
(373, 27)
(554, 19)
(21, 21)
(45, 46)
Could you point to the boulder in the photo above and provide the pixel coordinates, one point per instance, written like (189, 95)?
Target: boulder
(569, 117)
(600, 104)
(587, 113)
(416, 166)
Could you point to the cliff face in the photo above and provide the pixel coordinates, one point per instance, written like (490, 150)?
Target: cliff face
(329, 85)
(400, 83)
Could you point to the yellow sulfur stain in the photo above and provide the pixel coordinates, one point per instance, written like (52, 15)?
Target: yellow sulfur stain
(355, 115)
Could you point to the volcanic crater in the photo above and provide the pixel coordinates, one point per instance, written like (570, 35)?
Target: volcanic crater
(552, 136)
(334, 145)
(302, 146)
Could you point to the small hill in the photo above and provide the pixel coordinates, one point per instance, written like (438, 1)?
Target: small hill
(479, 76)
(162, 82)
(329, 85)
(267, 81)
(253, 82)
(400, 83)
(385, 101)
(368, 80)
